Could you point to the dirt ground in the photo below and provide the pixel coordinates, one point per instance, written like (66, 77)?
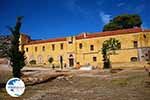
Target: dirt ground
(90, 85)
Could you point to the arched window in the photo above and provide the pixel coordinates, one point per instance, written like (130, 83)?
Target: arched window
(43, 48)
(71, 60)
(35, 49)
(91, 47)
(80, 46)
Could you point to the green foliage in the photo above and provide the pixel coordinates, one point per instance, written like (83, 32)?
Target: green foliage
(16, 57)
(32, 62)
(109, 45)
(124, 21)
(50, 60)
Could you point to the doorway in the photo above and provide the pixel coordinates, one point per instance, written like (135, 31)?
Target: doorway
(40, 59)
(71, 60)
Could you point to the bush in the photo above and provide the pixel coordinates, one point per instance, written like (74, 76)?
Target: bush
(32, 62)
(50, 60)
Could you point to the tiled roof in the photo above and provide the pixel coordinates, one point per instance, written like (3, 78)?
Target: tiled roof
(109, 33)
(146, 30)
(45, 41)
(93, 35)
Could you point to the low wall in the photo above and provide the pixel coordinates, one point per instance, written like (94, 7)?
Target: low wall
(130, 65)
(100, 65)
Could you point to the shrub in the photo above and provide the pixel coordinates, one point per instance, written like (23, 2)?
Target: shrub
(50, 60)
(32, 62)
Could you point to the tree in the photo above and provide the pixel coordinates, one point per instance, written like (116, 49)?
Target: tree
(50, 60)
(17, 57)
(108, 48)
(123, 21)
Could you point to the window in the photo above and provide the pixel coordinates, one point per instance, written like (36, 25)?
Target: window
(135, 44)
(61, 46)
(70, 42)
(146, 54)
(26, 49)
(133, 59)
(53, 47)
(35, 49)
(91, 47)
(80, 45)
(94, 59)
(43, 48)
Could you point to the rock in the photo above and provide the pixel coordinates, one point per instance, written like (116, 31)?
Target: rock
(30, 79)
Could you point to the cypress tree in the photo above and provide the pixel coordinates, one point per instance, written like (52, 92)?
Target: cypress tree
(16, 56)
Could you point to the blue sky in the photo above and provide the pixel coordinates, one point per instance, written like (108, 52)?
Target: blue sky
(59, 18)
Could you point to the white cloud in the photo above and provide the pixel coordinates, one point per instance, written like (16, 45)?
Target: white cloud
(105, 18)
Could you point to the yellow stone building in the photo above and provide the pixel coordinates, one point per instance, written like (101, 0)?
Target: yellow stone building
(85, 48)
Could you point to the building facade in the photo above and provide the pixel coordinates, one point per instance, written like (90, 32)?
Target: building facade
(85, 48)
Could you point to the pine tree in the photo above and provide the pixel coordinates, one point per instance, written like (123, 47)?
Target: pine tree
(123, 21)
(17, 57)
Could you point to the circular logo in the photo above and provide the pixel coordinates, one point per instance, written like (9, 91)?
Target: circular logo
(15, 87)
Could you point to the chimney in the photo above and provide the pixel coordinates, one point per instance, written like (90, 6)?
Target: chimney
(84, 35)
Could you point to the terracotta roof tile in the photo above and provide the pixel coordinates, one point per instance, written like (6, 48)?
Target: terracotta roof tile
(45, 41)
(109, 33)
(146, 30)
(93, 35)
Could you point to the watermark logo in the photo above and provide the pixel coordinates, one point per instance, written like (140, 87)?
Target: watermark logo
(15, 87)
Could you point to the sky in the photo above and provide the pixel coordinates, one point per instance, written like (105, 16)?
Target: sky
(45, 19)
